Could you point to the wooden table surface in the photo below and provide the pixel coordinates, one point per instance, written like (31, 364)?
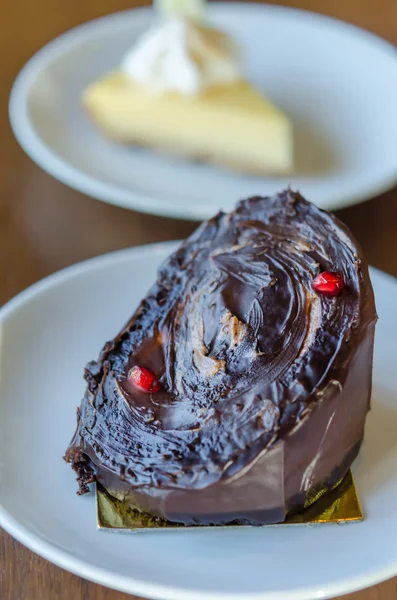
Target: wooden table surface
(45, 226)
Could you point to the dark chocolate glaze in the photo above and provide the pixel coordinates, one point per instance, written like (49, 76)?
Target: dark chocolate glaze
(244, 350)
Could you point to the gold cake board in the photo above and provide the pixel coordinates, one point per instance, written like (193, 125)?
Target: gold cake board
(341, 505)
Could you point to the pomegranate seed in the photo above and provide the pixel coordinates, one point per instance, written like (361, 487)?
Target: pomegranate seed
(144, 379)
(328, 283)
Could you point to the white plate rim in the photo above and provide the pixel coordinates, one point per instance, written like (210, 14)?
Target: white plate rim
(80, 181)
(84, 569)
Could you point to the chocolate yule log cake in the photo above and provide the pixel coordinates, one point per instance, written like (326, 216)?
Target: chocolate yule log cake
(238, 391)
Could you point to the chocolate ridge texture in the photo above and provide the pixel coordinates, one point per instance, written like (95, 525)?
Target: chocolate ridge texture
(265, 384)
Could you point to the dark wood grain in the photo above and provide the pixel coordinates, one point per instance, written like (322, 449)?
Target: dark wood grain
(45, 226)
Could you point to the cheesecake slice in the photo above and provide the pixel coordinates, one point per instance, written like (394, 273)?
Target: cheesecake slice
(230, 125)
(181, 89)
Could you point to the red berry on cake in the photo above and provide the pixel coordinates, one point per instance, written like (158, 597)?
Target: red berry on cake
(144, 379)
(328, 283)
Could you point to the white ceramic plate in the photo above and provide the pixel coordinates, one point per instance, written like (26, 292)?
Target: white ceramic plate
(48, 333)
(337, 82)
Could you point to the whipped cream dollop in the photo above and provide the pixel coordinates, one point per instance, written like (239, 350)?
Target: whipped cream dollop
(184, 56)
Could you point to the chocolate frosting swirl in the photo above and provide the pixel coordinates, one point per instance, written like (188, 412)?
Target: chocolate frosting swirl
(241, 344)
